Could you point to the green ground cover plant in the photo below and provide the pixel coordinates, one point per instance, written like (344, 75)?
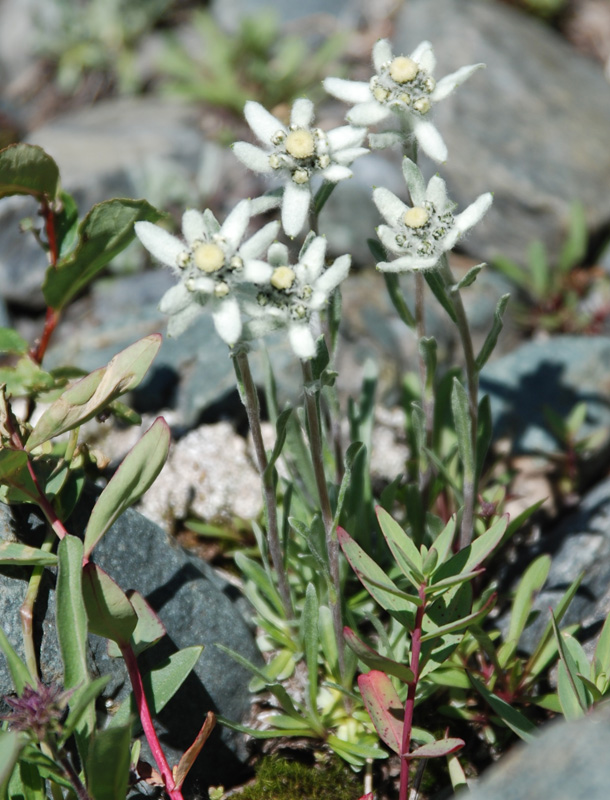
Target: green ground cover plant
(370, 609)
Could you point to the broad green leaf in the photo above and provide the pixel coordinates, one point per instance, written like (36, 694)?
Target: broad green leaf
(376, 582)
(309, 629)
(109, 612)
(444, 540)
(136, 474)
(66, 224)
(442, 629)
(20, 675)
(10, 747)
(509, 715)
(92, 394)
(460, 407)
(106, 230)
(492, 337)
(79, 703)
(439, 748)
(403, 549)
(12, 342)
(26, 783)
(384, 707)
(571, 692)
(463, 622)
(530, 584)
(17, 553)
(469, 558)
(27, 169)
(14, 472)
(108, 763)
(47, 768)
(161, 683)
(375, 660)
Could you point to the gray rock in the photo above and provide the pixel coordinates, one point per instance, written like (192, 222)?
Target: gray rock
(568, 761)
(579, 543)
(195, 605)
(229, 12)
(532, 128)
(558, 373)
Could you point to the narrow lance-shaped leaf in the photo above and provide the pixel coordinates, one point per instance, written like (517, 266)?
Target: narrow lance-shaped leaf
(188, 759)
(460, 407)
(311, 642)
(439, 748)
(106, 230)
(17, 553)
(93, 393)
(135, 476)
(20, 675)
(384, 707)
(375, 660)
(492, 337)
(10, 747)
(509, 715)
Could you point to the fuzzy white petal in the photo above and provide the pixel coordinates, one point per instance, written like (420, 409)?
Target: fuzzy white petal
(407, 264)
(193, 226)
(475, 211)
(313, 259)
(382, 53)
(345, 136)
(210, 222)
(447, 84)
(348, 91)
(278, 255)
(436, 193)
(430, 140)
(234, 226)
(390, 207)
(175, 299)
(349, 155)
(257, 244)
(302, 113)
(295, 208)
(253, 157)
(334, 275)
(380, 141)
(202, 284)
(267, 202)
(159, 243)
(178, 323)
(227, 320)
(424, 56)
(388, 239)
(264, 124)
(414, 180)
(368, 113)
(336, 173)
(302, 341)
(257, 271)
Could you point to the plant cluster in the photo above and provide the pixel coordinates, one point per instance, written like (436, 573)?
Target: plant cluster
(390, 587)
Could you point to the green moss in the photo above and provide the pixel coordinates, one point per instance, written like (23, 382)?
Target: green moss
(278, 779)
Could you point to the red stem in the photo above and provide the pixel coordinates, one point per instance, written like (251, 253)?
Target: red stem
(147, 723)
(52, 317)
(410, 701)
(50, 323)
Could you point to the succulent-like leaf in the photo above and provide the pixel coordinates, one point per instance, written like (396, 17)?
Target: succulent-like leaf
(109, 612)
(384, 707)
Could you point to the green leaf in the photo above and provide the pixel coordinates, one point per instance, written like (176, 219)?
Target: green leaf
(484, 435)
(20, 675)
(109, 612)
(403, 548)
(492, 337)
(66, 224)
(601, 657)
(460, 407)
(10, 747)
(375, 660)
(14, 472)
(328, 640)
(468, 279)
(27, 169)
(92, 394)
(136, 474)
(392, 283)
(437, 285)
(79, 704)
(17, 553)
(509, 715)
(575, 247)
(106, 230)
(438, 749)
(108, 763)
(11, 342)
(280, 438)
(540, 273)
(376, 582)
(161, 683)
(384, 707)
(462, 622)
(254, 572)
(311, 642)
(469, 558)
(530, 584)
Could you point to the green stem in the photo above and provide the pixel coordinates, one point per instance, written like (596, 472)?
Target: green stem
(26, 612)
(427, 396)
(472, 378)
(250, 400)
(332, 542)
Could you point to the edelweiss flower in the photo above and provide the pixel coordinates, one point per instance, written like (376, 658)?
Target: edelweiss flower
(420, 234)
(212, 263)
(294, 294)
(299, 152)
(402, 85)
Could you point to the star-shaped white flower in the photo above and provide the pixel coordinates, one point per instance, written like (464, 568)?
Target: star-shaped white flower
(299, 152)
(402, 85)
(294, 294)
(421, 233)
(212, 263)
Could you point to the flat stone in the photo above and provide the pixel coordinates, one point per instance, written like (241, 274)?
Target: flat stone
(532, 128)
(194, 603)
(568, 761)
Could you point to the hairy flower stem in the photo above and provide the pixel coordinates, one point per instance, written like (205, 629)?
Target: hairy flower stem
(250, 400)
(332, 542)
(147, 724)
(472, 378)
(427, 396)
(407, 727)
(70, 773)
